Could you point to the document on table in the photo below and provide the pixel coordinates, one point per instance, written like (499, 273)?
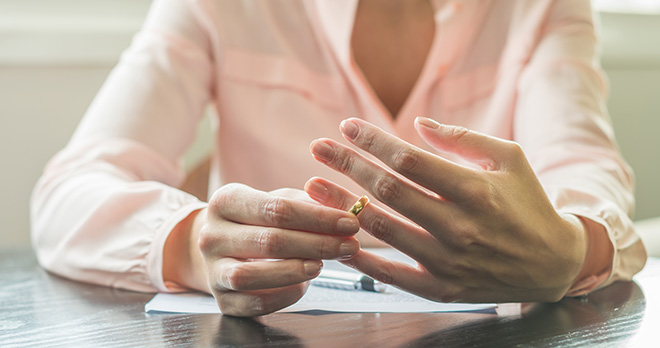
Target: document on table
(392, 300)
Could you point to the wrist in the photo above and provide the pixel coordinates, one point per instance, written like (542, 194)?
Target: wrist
(598, 258)
(183, 263)
(572, 252)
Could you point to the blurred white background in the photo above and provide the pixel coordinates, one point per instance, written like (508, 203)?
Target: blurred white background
(54, 55)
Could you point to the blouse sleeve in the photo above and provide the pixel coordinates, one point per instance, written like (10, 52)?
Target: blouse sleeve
(106, 203)
(563, 125)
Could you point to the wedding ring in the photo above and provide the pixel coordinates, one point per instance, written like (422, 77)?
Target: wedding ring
(359, 205)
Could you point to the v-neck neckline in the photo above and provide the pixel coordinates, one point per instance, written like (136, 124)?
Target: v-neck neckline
(336, 21)
(430, 57)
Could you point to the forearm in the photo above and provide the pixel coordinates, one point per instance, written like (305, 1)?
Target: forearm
(562, 122)
(92, 222)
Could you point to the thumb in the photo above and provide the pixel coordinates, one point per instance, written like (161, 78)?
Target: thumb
(489, 152)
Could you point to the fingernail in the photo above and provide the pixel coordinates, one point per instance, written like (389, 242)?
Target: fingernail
(348, 225)
(312, 267)
(317, 191)
(323, 150)
(428, 123)
(349, 129)
(347, 250)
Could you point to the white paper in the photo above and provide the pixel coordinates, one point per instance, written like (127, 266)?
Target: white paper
(392, 300)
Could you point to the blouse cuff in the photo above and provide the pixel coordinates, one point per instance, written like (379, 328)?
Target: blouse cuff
(599, 276)
(155, 256)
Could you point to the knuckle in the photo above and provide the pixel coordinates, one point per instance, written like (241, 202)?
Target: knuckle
(206, 239)
(457, 133)
(223, 196)
(470, 190)
(512, 153)
(479, 192)
(276, 211)
(406, 160)
(515, 150)
(268, 241)
(387, 189)
(218, 201)
(325, 249)
(241, 306)
(234, 278)
(458, 269)
(224, 304)
(381, 229)
(368, 139)
(344, 163)
(488, 197)
(465, 237)
(385, 273)
(256, 305)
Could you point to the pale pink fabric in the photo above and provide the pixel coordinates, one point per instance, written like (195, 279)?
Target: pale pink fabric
(280, 74)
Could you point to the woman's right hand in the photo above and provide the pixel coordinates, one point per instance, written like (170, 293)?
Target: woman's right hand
(231, 244)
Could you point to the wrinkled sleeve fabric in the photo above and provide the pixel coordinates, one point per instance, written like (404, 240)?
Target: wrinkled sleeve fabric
(562, 123)
(106, 203)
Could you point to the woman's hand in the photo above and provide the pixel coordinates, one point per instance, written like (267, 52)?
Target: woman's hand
(233, 242)
(479, 235)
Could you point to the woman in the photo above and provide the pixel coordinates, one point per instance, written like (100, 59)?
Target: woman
(510, 188)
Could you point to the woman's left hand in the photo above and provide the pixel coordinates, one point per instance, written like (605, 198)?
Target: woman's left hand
(478, 235)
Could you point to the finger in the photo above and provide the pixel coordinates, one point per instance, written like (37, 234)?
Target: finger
(427, 211)
(426, 169)
(393, 230)
(258, 302)
(235, 275)
(412, 279)
(247, 241)
(246, 205)
(487, 151)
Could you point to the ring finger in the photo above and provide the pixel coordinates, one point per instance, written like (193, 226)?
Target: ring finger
(395, 231)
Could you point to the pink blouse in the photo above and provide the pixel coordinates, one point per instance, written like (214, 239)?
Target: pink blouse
(280, 74)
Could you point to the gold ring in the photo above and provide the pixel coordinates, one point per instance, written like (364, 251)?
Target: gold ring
(359, 205)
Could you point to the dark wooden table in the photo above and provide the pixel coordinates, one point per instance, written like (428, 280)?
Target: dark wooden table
(38, 309)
